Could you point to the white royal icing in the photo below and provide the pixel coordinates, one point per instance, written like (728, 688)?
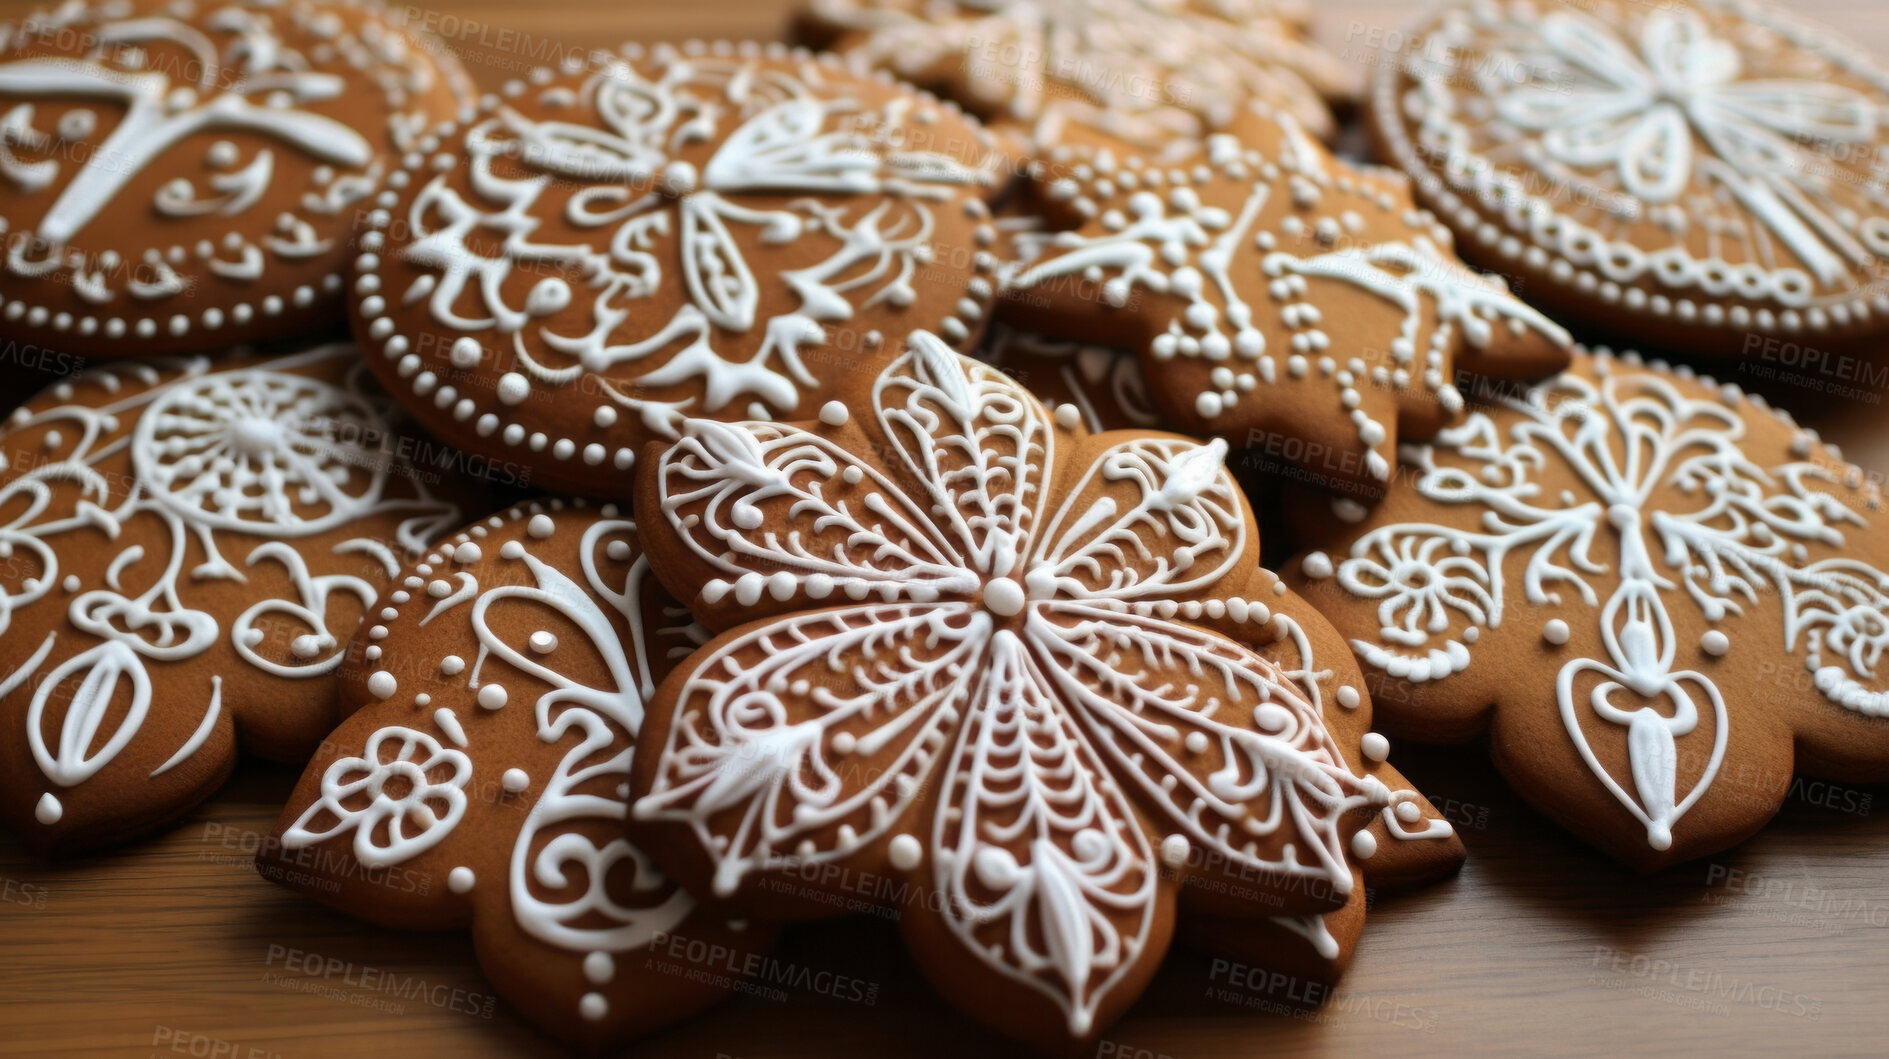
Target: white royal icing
(239, 463)
(597, 727)
(1712, 163)
(976, 622)
(799, 163)
(1623, 435)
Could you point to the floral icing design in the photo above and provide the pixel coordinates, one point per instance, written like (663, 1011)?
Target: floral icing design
(247, 464)
(679, 233)
(570, 880)
(1710, 151)
(199, 113)
(389, 827)
(1145, 71)
(1663, 482)
(1258, 269)
(1009, 618)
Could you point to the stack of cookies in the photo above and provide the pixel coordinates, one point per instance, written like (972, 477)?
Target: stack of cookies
(889, 418)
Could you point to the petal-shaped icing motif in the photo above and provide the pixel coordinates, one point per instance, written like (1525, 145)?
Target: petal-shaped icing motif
(979, 446)
(1039, 860)
(401, 797)
(821, 523)
(1154, 518)
(1214, 738)
(813, 732)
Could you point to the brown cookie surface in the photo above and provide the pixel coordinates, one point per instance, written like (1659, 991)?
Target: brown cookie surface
(1697, 175)
(1144, 72)
(964, 643)
(1657, 595)
(481, 779)
(183, 176)
(720, 230)
(191, 544)
(1279, 297)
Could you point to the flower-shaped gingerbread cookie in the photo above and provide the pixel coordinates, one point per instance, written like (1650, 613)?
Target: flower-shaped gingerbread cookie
(191, 544)
(482, 780)
(1655, 593)
(719, 231)
(1145, 72)
(1280, 298)
(1696, 173)
(965, 641)
(185, 176)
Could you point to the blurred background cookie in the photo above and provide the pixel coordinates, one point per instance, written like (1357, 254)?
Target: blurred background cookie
(180, 177)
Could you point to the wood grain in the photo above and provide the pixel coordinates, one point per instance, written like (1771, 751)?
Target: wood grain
(176, 947)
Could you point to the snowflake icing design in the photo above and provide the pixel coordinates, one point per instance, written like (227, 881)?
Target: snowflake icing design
(1638, 446)
(803, 168)
(1018, 641)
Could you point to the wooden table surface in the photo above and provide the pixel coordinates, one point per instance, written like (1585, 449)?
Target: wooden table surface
(177, 947)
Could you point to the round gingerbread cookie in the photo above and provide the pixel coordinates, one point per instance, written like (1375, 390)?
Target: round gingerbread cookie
(721, 230)
(1696, 174)
(190, 544)
(183, 175)
(481, 779)
(1280, 298)
(965, 643)
(1144, 72)
(1657, 595)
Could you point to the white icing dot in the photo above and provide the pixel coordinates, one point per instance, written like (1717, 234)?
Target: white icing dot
(1175, 850)
(833, 414)
(515, 780)
(1555, 632)
(1715, 643)
(540, 526)
(593, 1007)
(599, 967)
(1196, 742)
(48, 811)
(466, 353)
(513, 388)
(492, 696)
(382, 684)
(1375, 746)
(1348, 697)
(1364, 845)
(467, 553)
(452, 665)
(459, 880)
(905, 853)
(543, 642)
(1317, 565)
(1004, 597)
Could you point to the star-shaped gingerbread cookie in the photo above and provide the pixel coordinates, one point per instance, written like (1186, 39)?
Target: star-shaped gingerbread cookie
(1279, 297)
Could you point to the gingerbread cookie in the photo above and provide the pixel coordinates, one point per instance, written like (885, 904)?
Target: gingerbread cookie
(191, 544)
(183, 175)
(1143, 72)
(481, 781)
(1280, 298)
(1656, 594)
(965, 643)
(713, 230)
(1701, 174)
